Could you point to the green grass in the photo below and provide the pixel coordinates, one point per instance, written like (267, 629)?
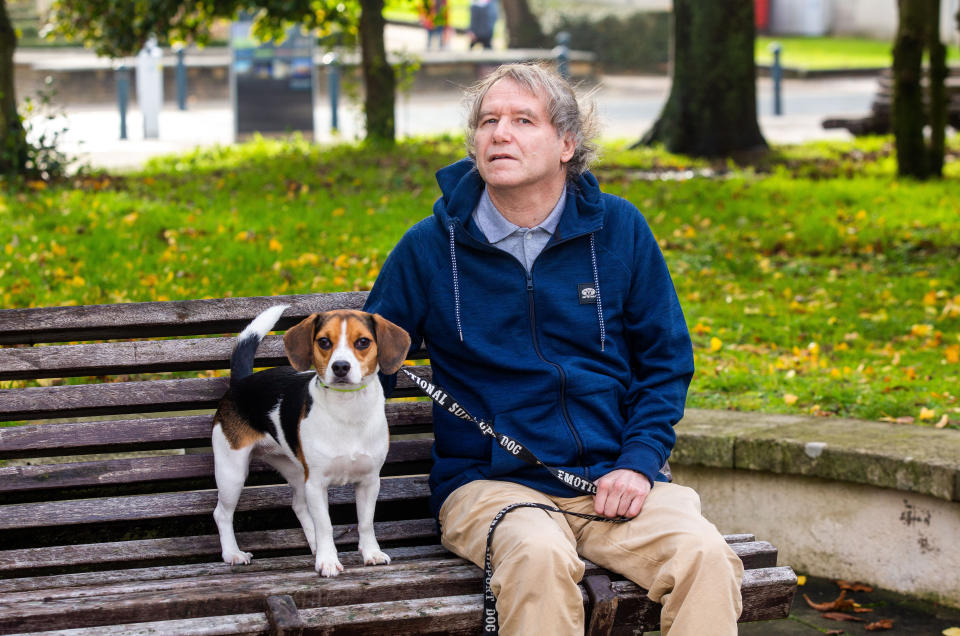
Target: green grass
(818, 53)
(812, 282)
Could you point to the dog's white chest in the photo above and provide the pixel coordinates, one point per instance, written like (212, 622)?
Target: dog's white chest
(345, 469)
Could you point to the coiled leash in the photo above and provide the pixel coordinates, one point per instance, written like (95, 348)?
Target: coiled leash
(440, 396)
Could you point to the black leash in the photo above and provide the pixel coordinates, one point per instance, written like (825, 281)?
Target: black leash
(515, 448)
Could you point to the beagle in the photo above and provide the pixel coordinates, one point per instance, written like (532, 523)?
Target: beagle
(317, 427)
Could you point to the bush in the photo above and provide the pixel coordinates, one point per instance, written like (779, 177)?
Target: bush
(639, 42)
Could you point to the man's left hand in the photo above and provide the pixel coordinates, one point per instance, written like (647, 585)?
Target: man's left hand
(621, 493)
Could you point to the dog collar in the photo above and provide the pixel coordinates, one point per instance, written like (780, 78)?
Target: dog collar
(359, 388)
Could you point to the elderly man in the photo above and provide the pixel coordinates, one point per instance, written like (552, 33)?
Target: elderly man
(548, 311)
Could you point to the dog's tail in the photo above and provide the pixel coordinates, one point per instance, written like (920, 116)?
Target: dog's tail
(241, 360)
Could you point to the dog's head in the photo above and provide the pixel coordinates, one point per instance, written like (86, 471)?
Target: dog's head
(346, 346)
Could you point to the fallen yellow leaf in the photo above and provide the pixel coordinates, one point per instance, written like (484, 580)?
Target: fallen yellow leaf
(927, 414)
(943, 421)
(951, 631)
(801, 580)
(715, 344)
(790, 399)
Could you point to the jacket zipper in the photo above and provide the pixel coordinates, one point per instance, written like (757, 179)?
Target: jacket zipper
(563, 376)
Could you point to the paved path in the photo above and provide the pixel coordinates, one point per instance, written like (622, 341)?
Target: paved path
(627, 107)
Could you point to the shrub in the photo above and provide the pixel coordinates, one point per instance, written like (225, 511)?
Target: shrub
(638, 42)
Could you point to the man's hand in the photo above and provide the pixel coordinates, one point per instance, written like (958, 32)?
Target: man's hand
(621, 493)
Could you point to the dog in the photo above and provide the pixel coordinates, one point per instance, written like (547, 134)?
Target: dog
(319, 422)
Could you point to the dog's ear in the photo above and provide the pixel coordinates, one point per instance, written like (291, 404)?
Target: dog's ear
(298, 342)
(393, 344)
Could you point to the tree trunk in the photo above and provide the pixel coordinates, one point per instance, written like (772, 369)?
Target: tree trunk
(378, 77)
(908, 117)
(13, 144)
(523, 27)
(919, 30)
(937, 91)
(712, 107)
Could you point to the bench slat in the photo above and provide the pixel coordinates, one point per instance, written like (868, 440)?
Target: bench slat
(134, 397)
(155, 469)
(243, 593)
(144, 550)
(185, 431)
(168, 505)
(160, 319)
(144, 356)
(767, 593)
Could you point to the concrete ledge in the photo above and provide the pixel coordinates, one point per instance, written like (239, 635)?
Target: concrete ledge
(851, 499)
(906, 458)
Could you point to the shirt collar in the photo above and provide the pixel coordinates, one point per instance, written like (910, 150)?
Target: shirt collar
(496, 227)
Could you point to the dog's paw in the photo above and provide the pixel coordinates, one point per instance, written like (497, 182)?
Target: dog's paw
(237, 558)
(375, 557)
(329, 567)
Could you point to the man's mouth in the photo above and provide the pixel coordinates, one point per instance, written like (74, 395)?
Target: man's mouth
(499, 156)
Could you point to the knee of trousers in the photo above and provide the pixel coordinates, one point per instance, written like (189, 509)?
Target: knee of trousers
(542, 562)
(697, 556)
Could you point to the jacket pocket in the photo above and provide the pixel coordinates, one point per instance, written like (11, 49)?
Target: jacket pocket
(542, 430)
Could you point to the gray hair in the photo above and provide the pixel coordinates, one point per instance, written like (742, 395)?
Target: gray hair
(566, 113)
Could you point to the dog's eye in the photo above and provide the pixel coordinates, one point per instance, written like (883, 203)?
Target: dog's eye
(324, 343)
(362, 343)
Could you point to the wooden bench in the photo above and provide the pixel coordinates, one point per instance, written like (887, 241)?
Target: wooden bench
(107, 495)
(880, 119)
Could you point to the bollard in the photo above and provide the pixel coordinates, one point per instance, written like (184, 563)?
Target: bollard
(562, 53)
(775, 74)
(181, 80)
(123, 95)
(332, 62)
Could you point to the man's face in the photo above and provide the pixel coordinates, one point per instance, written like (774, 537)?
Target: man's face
(515, 143)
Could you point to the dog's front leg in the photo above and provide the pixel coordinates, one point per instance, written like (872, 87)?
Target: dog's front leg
(327, 562)
(366, 494)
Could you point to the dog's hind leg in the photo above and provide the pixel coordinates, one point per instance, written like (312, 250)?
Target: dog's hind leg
(230, 469)
(366, 495)
(293, 472)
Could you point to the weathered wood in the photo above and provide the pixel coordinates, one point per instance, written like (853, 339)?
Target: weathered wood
(603, 602)
(253, 624)
(450, 615)
(188, 431)
(237, 593)
(160, 319)
(134, 397)
(168, 505)
(283, 616)
(423, 531)
(143, 356)
(22, 479)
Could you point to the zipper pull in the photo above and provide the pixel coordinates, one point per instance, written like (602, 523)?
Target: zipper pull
(529, 282)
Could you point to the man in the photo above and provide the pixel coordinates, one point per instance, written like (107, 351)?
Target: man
(548, 311)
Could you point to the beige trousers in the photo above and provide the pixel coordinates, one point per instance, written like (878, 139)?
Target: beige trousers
(668, 549)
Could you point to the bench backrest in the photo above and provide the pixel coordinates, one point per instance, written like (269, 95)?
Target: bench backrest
(106, 419)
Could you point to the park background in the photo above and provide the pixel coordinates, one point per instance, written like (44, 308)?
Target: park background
(814, 281)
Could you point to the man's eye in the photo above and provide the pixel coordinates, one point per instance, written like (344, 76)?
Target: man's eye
(362, 343)
(524, 120)
(324, 343)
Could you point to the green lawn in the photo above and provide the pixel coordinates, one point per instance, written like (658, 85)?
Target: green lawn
(813, 283)
(832, 52)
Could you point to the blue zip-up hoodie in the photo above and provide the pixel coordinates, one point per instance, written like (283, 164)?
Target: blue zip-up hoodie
(530, 353)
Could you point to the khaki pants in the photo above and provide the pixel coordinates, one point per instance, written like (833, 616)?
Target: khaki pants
(668, 549)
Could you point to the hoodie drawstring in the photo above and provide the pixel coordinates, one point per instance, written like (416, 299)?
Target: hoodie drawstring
(456, 283)
(596, 288)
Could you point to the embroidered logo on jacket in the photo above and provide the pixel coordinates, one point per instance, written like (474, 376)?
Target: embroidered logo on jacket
(587, 293)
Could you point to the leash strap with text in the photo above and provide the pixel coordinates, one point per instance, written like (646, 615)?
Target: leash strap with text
(515, 448)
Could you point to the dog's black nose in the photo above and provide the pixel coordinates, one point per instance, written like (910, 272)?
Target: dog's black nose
(340, 368)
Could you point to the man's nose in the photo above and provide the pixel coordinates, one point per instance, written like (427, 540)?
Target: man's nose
(502, 130)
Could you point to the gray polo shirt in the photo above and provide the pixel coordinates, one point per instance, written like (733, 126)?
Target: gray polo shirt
(525, 244)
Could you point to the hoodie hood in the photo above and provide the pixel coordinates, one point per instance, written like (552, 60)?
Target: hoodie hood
(461, 188)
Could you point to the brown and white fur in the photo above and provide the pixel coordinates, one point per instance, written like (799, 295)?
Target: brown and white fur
(320, 423)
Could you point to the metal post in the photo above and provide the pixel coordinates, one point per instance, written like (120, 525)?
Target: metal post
(776, 72)
(562, 52)
(332, 63)
(123, 95)
(181, 80)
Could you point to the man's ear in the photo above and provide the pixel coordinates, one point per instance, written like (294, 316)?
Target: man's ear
(298, 342)
(393, 345)
(569, 148)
